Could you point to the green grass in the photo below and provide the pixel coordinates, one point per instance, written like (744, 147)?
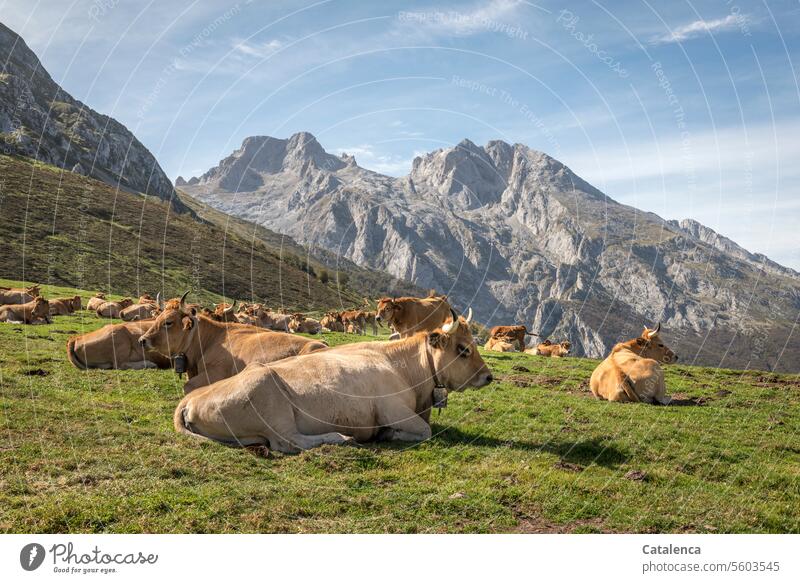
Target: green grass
(94, 451)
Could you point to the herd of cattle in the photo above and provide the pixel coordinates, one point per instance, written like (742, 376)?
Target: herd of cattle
(248, 372)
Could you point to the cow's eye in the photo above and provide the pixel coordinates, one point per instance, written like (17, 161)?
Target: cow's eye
(167, 324)
(463, 350)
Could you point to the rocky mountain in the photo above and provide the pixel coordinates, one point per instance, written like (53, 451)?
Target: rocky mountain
(38, 119)
(519, 237)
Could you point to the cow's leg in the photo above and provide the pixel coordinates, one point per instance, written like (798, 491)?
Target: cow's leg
(303, 441)
(404, 425)
(139, 365)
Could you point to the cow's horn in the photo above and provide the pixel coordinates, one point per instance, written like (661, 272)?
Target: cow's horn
(159, 301)
(656, 329)
(230, 308)
(447, 328)
(469, 315)
(183, 297)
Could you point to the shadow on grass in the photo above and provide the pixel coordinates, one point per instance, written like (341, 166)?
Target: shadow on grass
(585, 452)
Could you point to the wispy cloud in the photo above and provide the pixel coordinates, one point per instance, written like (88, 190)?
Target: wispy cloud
(700, 27)
(257, 50)
(494, 16)
(368, 157)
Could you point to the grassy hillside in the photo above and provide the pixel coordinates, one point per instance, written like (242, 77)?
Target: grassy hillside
(94, 451)
(64, 229)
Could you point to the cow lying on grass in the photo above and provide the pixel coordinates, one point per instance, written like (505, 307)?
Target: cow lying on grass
(499, 345)
(632, 372)
(113, 309)
(356, 392)
(18, 295)
(95, 302)
(36, 311)
(115, 346)
(547, 348)
(514, 335)
(212, 350)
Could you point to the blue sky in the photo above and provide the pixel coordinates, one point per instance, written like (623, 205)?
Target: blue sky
(685, 109)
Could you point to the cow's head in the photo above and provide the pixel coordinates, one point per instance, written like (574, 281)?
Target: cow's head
(41, 307)
(455, 355)
(172, 329)
(125, 303)
(566, 346)
(388, 310)
(650, 345)
(225, 312)
(76, 303)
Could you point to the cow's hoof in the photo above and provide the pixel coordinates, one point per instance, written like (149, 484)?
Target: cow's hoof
(261, 451)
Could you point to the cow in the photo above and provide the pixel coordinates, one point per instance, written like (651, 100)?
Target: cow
(275, 321)
(632, 372)
(225, 312)
(60, 306)
(76, 303)
(411, 315)
(212, 350)
(304, 325)
(547, 348)
(139, 312)
(98, 300)
(17, 296)
(115, 346)
(512, 334)
(148, 299)
(332, 322)
(356, 392)
(113, 309)
(354, 321)
(370, 319)
(36, 311)
(499, 345)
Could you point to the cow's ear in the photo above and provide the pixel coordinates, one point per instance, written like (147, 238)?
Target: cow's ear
(641, 341)
(194, 311)
(187, 323)
(437, 339)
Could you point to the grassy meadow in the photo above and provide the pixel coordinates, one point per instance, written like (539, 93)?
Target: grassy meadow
(94, 451)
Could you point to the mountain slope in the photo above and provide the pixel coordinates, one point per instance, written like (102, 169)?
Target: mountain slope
(38, 119)
(61, 228)
(518, 236)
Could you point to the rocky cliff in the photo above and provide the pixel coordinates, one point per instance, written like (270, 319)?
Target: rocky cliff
(38, 119)
(519, 237)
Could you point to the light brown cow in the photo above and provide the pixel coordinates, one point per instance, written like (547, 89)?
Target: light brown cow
(113, 309)
(632, 372)
(76, 303)
(98, 300)
(354, 321)
(139, 312)
(36, 311)
(304, 325)
(332, 322)
(411, 315)
(115, 346)
(547, 348)
(148, 299)
(60, 307)
(217, 350)
(357, 392)
(499, 345)
(512, 334)
(17, 295)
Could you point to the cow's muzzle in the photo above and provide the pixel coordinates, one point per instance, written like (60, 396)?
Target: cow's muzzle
(144, 342)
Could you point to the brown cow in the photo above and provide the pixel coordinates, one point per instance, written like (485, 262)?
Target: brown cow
(512, 334)
(115, 346)
(304, 325)
(98, 300)
(547, 348)
(113, 309)
(411, 315)
(17, 295)
(60, 307)
(632, 372)
(499, 345)
(354, 392)
(36, 311)
(139, 312)
(332, 322)
(217, 350)
(354, 321)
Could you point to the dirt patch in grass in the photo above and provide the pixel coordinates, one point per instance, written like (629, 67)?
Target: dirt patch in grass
(539, 525)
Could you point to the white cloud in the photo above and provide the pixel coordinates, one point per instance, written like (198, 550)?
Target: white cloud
(367, 157)
(257, 50)
(494, 16)
(699, 27)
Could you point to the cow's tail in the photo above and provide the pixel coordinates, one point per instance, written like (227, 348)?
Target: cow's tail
(182, 426)
(72, 355)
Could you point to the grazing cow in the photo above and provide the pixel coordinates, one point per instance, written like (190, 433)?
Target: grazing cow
(411, 315)
(217, 350)
(332, 321)
(354, 321)
(499, 345)
(115, 346)
(547, 348)
(98, 300)
(60, 307)
(304, 325)
(354, 392)
(36, 311)
(512, 334)
(370, 319)
(632, 372)
(17, 295)
(113, 309)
